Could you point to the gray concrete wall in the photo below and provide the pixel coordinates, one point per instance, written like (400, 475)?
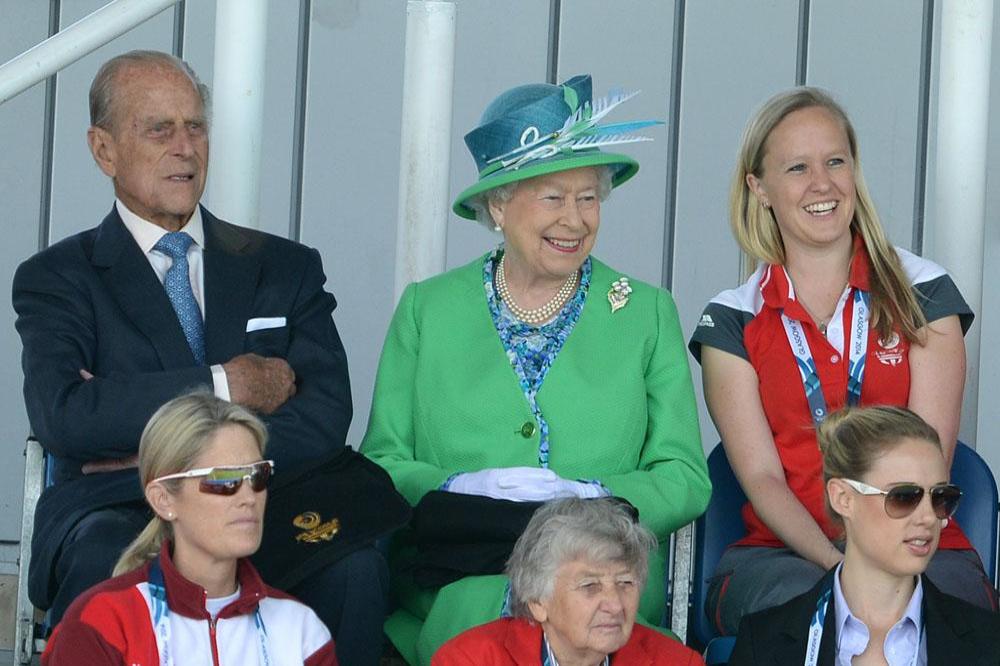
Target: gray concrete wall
(703, 66)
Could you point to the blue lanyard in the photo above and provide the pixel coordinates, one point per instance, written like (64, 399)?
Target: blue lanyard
(816, 627)
(819, 619)
(161, 617)
(856, 356)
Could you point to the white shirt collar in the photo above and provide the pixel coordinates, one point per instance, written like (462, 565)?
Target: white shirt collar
(853, 635)
(147, 234)
(214, 605)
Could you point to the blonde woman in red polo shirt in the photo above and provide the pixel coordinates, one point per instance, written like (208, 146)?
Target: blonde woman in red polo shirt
(833, 315)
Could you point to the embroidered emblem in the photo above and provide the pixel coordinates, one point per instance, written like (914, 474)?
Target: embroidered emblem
(706, 320)
(618, 294)
(891, 357)
(889, 343)
(316, 529)
(891, 353)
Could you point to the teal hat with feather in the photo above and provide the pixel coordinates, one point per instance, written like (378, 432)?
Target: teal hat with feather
(541, 128)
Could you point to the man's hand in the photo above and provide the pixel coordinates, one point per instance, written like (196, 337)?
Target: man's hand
(262, 384)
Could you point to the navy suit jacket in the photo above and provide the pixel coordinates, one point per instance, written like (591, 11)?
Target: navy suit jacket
(957, 631)
(93, 302)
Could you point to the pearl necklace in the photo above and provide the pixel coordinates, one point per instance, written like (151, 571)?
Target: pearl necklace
(539, 315)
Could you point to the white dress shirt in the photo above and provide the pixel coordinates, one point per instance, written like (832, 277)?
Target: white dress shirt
(147, 235)
(905, 644)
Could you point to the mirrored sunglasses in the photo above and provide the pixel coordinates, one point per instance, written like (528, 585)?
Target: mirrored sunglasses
(902, 500)
(227, 479)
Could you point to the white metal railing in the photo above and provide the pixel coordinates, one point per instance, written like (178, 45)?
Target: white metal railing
(72, 43)
(240, 41)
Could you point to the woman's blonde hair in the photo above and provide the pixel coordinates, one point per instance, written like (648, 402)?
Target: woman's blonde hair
(893, 303)
(171, 442)
(852, 439)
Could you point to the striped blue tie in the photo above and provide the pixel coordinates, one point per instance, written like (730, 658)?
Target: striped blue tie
(178, 285)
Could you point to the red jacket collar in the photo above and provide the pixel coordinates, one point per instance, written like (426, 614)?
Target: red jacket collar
(524, 644)
(778, 293)
(188, 599)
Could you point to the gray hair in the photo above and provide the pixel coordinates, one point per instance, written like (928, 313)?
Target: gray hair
(480, 203)
(104, 89)
(602, 530)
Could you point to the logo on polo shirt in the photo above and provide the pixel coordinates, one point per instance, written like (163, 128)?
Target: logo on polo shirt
(706, 320)
(891, 342)
(890, 354)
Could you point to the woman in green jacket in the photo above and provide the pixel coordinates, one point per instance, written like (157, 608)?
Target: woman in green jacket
(536, 371)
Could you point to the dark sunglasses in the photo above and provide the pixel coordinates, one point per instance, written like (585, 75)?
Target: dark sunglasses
(902, 500)
(227, 479)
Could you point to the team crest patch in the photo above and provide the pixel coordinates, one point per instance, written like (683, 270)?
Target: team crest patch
(890, 353)
(891, 342)
(891, 357)
(315, 529)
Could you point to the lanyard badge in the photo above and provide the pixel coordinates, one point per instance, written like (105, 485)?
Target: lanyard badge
(856, 357)
(819, 619)
(161, 618)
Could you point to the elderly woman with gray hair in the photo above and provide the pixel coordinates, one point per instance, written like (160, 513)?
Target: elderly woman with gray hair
(575, 578)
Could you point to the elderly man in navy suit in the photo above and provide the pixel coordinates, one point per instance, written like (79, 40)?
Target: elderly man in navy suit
(159, 298)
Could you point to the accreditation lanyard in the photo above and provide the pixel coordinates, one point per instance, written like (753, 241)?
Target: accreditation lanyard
(819, 619)
(161, 618)
(856, 355)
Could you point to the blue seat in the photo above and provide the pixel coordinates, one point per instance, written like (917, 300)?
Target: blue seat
(722, 524)
(715, 530)
(719, 650)
(977, 513)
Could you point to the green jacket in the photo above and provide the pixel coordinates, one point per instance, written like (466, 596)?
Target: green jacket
(618, 400)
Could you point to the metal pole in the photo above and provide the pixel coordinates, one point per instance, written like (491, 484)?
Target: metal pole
(69, 45)
(425, 151)
(962, 126)
(238, 110)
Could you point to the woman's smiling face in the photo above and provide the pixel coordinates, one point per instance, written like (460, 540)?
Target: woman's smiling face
(807, 179)
(550, 224)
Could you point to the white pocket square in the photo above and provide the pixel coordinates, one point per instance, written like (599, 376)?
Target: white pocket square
(262, 323)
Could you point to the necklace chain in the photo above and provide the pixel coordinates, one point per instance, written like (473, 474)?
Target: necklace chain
(540, 314)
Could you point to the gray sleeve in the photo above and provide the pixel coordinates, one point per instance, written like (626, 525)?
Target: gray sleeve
(940, 298)
(721, 327)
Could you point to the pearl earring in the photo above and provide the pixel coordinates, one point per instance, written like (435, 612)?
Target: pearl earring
(944, 523)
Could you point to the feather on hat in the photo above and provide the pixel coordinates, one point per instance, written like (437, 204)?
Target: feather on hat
(541, 128)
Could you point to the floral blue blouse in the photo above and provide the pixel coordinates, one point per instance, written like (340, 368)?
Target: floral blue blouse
(532, 349)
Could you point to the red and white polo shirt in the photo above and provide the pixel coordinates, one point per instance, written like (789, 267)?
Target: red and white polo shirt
(746, 321)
